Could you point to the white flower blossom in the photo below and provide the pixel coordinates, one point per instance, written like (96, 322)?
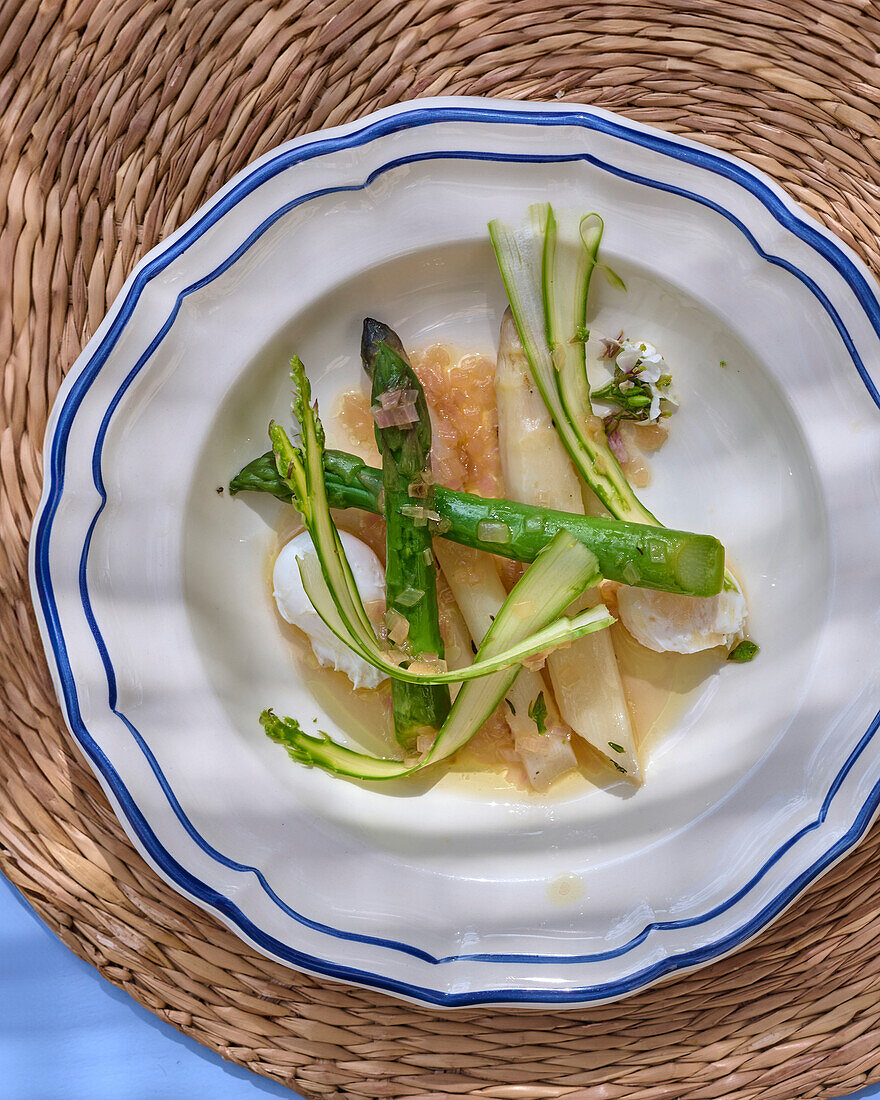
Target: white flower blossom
(648, 367)
(628, 357)
(652, 372)
(650, 354)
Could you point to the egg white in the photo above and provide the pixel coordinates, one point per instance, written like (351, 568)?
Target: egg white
(294, 606)
(670, 623)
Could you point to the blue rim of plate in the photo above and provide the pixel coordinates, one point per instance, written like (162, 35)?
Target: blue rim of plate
(86, 372)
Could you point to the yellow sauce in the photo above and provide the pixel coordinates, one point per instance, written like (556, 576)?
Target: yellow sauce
(565, 889)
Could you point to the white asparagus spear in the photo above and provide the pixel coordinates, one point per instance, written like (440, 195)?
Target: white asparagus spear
(479, 593)
(537, 470)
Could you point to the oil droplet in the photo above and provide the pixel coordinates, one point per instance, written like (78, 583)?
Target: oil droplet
(565, 889)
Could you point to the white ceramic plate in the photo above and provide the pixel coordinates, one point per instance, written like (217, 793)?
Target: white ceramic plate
(157, 620)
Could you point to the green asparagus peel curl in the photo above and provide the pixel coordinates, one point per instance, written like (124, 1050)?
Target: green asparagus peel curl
(329, 583)
(648, 557)
(560, 573)
(410, 572)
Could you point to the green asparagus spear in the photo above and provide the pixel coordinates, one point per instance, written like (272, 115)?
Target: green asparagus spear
(410, 573)
(649, 557)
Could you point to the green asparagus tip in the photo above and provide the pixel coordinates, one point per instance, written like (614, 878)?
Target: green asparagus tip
(289, 733)
(375, 333)
(745, 651)
(261, 475)
(299, 377)
(280, 440)
(302, 391)
(283, 731)
(290, 468)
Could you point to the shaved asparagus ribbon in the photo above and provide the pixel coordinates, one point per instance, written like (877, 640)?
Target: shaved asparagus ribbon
(560, 573)
(330, 585)
(546, 264)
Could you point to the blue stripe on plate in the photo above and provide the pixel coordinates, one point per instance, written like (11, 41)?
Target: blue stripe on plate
(702, 158)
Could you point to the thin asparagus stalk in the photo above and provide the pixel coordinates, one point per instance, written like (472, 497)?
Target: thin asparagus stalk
(410, 573)
(632, 553)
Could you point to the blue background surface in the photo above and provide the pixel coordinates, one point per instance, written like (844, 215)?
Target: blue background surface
(67, 1034)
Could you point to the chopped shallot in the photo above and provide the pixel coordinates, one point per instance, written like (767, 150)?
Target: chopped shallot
(409, 597)
(398, 417)
(618, 447)
(424, 742)
(394, 399)
(398, 626)
(493, 531)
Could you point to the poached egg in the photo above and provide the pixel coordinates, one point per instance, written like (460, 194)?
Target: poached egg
(295, 608)
(671, 623)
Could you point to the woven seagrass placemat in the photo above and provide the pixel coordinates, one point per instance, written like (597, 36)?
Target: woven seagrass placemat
(118, 120)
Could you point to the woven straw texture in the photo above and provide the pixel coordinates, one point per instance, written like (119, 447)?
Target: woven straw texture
(119, 118)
